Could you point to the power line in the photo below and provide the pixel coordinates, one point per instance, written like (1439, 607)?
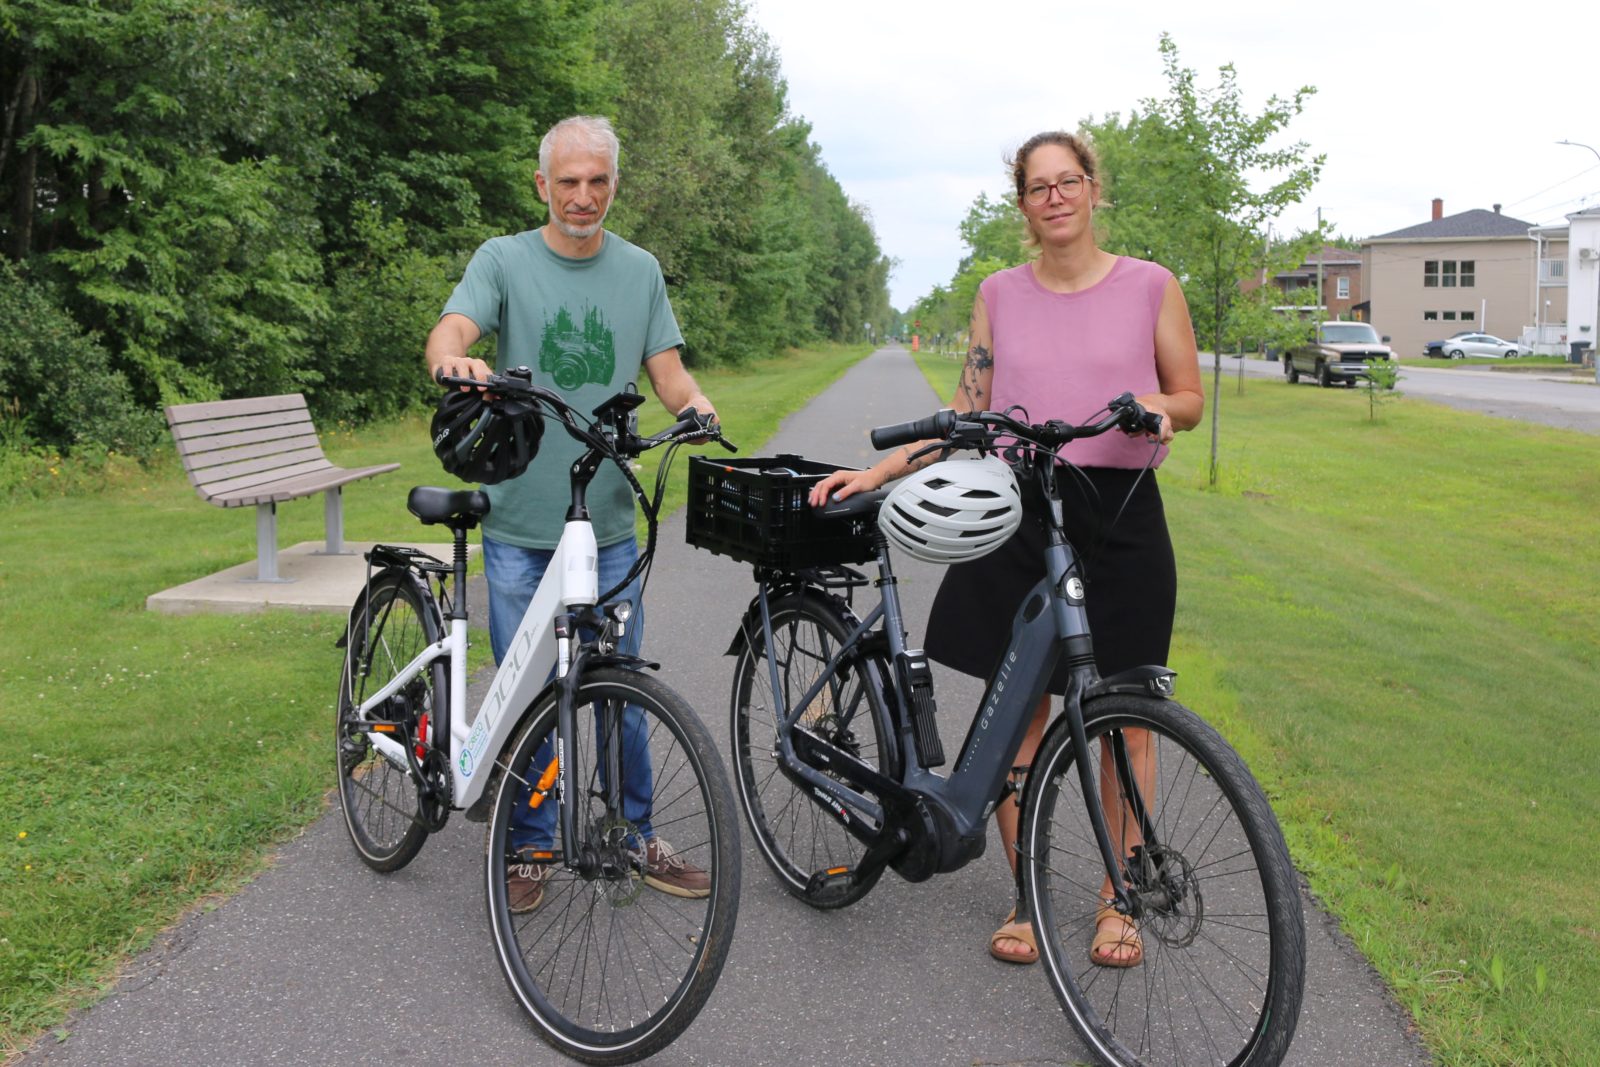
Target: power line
(1580, 199)
(1558, 184)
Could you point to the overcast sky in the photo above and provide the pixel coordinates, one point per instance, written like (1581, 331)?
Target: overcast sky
(915, 104)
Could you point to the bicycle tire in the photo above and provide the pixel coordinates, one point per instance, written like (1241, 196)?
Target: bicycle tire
(795, 834)
(1223, 968)
(608, 969)
(392, 623)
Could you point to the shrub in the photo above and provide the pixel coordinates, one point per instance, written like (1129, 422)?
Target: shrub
(57, 385)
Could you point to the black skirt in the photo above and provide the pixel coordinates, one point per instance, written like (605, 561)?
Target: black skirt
(1130, 577)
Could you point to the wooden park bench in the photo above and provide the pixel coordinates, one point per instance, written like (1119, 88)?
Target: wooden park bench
(262, 450)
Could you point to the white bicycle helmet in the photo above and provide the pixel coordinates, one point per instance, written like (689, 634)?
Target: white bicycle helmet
(953, 511)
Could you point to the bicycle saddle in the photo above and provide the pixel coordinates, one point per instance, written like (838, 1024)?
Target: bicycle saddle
(452, 507)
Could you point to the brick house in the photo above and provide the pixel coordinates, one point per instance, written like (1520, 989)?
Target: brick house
(1341, 281)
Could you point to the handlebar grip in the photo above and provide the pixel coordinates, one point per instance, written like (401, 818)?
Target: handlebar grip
(939, 424)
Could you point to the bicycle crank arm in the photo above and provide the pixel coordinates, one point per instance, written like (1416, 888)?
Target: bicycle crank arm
(882, 849)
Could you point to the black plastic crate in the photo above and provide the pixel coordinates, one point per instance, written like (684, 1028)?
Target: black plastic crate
(755, 510)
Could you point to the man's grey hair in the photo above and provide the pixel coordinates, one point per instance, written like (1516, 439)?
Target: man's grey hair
(586, 131)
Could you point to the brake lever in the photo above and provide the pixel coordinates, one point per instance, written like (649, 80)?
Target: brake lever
(713, 430)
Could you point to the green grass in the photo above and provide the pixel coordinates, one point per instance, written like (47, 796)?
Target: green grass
(1395, 623)
(1552, 362)
(152, 760)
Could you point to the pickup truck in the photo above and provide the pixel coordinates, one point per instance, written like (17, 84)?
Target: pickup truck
(1340, 354)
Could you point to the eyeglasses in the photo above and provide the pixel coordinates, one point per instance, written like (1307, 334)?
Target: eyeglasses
(1070, 186)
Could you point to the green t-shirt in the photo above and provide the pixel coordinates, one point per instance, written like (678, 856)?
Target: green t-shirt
(583, 326)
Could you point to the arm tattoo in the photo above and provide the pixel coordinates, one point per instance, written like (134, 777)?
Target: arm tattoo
(978, 360)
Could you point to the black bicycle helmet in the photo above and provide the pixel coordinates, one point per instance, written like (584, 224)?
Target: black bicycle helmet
(483, 439)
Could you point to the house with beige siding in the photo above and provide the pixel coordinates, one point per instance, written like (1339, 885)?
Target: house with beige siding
(1475, 270)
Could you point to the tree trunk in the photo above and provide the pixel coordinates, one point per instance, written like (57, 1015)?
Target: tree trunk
(8, 121)
(27, 172)
(1216, 395)
(99, 197)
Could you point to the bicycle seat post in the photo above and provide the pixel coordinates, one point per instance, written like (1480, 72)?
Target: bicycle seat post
(460, 561)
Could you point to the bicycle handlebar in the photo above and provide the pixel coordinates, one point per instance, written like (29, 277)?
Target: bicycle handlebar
(974, 428)
(939, 424)
(691, 425)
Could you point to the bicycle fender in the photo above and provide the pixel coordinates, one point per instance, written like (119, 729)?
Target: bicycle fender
(407, 574)
(618, 659)
(750, 621)
(1149, 680)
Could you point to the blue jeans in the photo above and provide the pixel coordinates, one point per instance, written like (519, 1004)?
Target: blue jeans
(514, 573)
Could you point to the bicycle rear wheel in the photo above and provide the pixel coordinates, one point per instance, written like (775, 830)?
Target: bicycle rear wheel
(617, 953)
(377, 794)
(797, 836)
(1218, 911)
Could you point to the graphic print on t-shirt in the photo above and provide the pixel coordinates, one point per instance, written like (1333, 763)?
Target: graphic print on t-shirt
(575, 355)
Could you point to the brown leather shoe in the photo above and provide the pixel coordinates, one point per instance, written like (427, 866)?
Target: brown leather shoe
(525, 885)
(668, 872)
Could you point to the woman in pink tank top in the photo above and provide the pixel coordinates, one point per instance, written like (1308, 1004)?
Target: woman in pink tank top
(1060, 336)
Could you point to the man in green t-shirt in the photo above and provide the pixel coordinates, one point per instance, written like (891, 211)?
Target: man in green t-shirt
(583, 309)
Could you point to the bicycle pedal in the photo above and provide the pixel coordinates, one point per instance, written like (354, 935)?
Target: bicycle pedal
(830, 879)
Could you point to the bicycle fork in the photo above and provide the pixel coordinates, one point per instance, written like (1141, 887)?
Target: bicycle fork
(608, 856)
(1145, 854)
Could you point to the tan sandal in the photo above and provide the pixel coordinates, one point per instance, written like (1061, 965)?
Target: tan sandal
(1107, 942)
(1014, 931)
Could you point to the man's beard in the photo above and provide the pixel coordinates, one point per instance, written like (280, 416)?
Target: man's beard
(578, 233)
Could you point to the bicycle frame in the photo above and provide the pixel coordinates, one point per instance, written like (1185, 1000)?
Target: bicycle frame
(1051, 623)
(572, 580)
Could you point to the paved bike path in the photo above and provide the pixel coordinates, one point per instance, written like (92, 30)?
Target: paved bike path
(321, 961)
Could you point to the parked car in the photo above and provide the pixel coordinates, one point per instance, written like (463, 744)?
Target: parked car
(1340, 354)
(1435, 349)
(1484, 344)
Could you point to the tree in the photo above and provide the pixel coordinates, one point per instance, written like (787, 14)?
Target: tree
(157, 153)
(1258, 322)
(772, 252)
(1382, 377)
(246, 196)
(994, 230)
(1194, 180)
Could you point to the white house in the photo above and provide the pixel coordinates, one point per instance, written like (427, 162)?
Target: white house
(1583, 277)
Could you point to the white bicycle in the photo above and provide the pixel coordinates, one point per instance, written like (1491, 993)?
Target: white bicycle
(609, 969)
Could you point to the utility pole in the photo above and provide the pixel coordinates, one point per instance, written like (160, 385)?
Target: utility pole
(1320, 246)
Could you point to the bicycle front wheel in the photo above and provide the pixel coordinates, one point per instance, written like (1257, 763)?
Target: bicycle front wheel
(613, 941)
(797, 836)
(1217, 974)
(377, 794)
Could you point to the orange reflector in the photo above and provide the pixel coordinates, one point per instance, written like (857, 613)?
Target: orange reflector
(546, 780)
(831, 871)
(384, 728)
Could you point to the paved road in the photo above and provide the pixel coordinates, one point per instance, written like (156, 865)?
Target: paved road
(320, 961)
(1526, 396)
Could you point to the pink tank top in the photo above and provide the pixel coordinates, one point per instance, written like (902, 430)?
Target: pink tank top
(1063, 355)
